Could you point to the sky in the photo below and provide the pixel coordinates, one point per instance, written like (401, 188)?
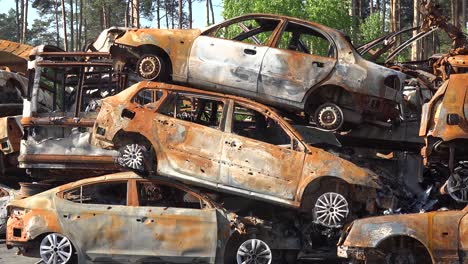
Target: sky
(199, 13)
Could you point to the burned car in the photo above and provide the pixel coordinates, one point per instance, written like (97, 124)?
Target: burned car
(7, 194)
(280, 61)
(435, 237)
(125, 218)
(233, 145)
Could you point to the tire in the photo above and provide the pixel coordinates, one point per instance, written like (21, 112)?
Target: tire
(328, 204)
(243, 249)
(58, 248)
(151, 67)
(137, 157)
(329, 117)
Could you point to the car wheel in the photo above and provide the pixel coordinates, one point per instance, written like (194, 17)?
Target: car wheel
(132, 156)
(56, 248)
(331, 210)
(254, 251)
(457, 184)
(329, 116)
(150, 67)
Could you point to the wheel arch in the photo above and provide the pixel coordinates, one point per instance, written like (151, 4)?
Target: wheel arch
(380, 244)
(156, 50)
(312, 188)
(122, 138)
(313, 97)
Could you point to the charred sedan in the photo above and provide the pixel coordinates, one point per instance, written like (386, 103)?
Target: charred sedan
(281, 61)
(233, 145)
(125, 218)
(435, 237)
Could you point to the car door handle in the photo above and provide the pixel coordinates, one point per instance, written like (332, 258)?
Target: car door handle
(250, 51)
(318, 64)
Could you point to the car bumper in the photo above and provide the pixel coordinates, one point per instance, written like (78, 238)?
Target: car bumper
(351, 253)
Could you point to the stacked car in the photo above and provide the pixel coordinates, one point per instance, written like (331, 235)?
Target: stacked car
(285, 136)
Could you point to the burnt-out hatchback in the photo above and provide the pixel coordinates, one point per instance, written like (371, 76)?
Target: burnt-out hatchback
(124, 218)
(233, 145)
(280, 61)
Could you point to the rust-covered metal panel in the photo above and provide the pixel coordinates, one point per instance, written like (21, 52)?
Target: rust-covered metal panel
(450, 99)
(14, 55)
(438, 232)
(10, 135)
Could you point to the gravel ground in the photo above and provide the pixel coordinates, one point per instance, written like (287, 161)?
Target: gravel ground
(9, 256)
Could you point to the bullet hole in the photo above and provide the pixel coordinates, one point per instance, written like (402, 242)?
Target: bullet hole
(110, 207)
(202, 170)
(250, 173)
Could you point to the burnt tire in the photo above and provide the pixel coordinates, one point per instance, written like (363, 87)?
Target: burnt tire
(457, 184)
(329, 117)
(151, 67)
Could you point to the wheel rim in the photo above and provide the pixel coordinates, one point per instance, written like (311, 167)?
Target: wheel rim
(131, 156)
(149, 67)
(457, 187)
(331, 209)
(330, 116)
(254, 251)
(56, 249)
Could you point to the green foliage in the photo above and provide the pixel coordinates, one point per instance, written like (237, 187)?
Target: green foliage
(371, 28)
(8, 26)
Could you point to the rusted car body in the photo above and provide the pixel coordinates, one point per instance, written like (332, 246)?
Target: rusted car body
(226, 143)
(126, 218)
(14, 55)
(435, 237)
(7, 194)
(281, 61)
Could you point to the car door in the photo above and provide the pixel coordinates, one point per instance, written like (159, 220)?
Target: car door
(171, 226)
(96, 219)
(445, 239)
(260, 156)
(463, 251)
(302, 58)
(229, 57)
(190, 134)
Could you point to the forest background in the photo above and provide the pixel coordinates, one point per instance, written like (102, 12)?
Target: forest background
(70, 24)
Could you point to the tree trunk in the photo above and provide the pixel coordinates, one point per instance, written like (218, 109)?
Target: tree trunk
(180, 14)
(136, 13)
(25, 22)
(371, 6)
(384, 14)
(414, 45)
(80, 25)
(455, 17)
(21, 20)
(464, 13)
(172, 14)
(207, 12)
(77, 24)
(57, 34)
(158, 14)
(377, 5)
(166, 5)
(104, 17)
(17, 21)
(212, 13)
(72, 31)
(189, 2)
(64, 26)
